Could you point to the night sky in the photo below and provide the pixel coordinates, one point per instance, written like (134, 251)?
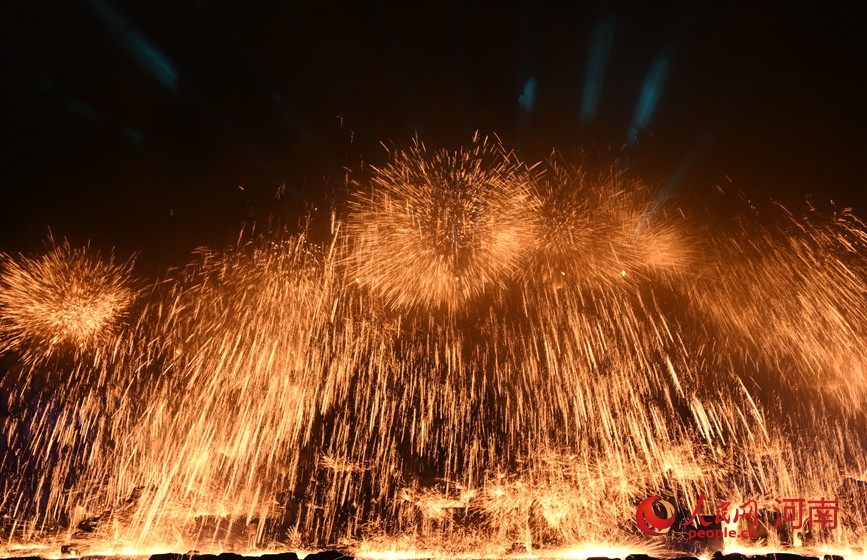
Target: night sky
(157, 127)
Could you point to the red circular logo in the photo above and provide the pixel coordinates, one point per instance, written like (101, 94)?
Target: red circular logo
(649, 522)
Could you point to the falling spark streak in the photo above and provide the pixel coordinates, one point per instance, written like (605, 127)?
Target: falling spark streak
(485, 359)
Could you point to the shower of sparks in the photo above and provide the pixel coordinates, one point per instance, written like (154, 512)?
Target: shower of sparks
(484, 359)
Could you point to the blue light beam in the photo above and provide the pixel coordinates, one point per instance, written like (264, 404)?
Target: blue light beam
(142, 50)
(649, 98)
(600, 48)
(527, 99)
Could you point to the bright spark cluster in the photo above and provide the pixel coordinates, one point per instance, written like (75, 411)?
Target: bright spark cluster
(439, 230)
(64, 298)
(598, 227)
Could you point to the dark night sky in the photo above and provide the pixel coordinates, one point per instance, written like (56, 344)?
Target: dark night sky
(162, 126)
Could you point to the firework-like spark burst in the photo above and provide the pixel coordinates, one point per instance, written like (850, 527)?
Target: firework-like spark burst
(438, 230)
(64, 298)
(598, 227)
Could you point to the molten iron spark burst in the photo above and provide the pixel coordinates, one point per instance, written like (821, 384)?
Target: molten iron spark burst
(440, 230)
(597, 228)
(66, 297)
